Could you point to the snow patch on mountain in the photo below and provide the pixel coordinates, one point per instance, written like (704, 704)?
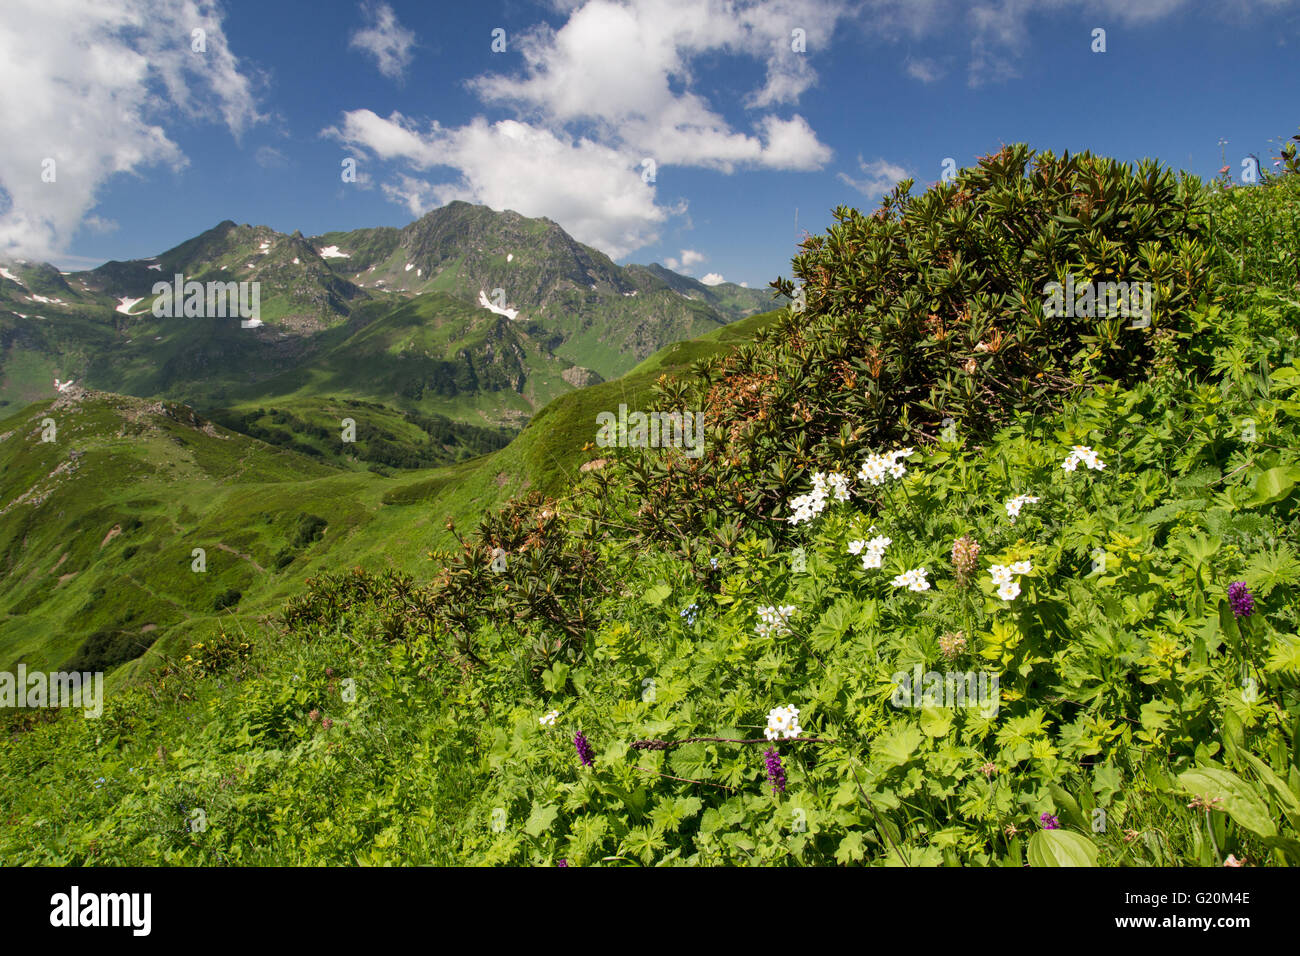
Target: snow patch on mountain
(487, 303)
(332, 252)
(125, 305)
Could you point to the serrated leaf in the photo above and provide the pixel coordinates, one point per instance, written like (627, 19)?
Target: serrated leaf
(936, 721)
(896, 747)
(850, 849)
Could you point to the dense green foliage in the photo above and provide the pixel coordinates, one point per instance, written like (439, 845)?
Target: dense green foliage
(933, 310)
(381, 438)
(391, 717)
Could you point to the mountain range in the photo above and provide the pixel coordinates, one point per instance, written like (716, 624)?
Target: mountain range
(468, 313)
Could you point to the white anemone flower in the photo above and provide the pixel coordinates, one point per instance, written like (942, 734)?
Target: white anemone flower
(913, 580)
(1082, 454)
(783, 722)
(1014, 505)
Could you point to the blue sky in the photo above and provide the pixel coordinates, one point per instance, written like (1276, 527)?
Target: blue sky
(155, 142)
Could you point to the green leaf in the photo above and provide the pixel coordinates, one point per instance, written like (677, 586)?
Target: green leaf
(1106, 783)
(1287, 845)
(850, 850)
(935, 721)
(1274, 485)
(656, 595)
(896, 747)
(1287, 800)
(1235, 797)
(554, 678)
(1066, 804)
(540, 819)
(1061, 848)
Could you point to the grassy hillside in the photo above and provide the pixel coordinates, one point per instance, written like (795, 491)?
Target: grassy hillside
(682, 661)
(101, 522)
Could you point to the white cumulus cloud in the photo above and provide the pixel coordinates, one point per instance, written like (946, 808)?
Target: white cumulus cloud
(616, 65)
(688, 258)
(593, 191)
(609, 88)
(384, 38)
(879, 177)
(89, 86)
(924, 69)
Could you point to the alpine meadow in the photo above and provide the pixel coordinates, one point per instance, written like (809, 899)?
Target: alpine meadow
(420, 525)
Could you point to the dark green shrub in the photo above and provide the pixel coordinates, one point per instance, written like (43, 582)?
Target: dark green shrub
(228, 598)
(935, 308)
(107, 648)
(310, 528)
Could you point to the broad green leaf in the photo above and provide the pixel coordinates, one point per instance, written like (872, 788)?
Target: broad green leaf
(540, 819)
(555, 678)
(1274, 485)
(1286, 799)
(1066, 804)
(656, 595)
(1287, 845)
(896, 747)
(850, 849)
(1061, 848)
(936, 721)
(1236, 797)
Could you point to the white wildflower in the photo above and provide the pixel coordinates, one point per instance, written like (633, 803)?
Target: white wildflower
(783, 722)
(1082, 454)
(873, 470)
(1015, 504)
(774, 620)
(876, 467)
(913, 580)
